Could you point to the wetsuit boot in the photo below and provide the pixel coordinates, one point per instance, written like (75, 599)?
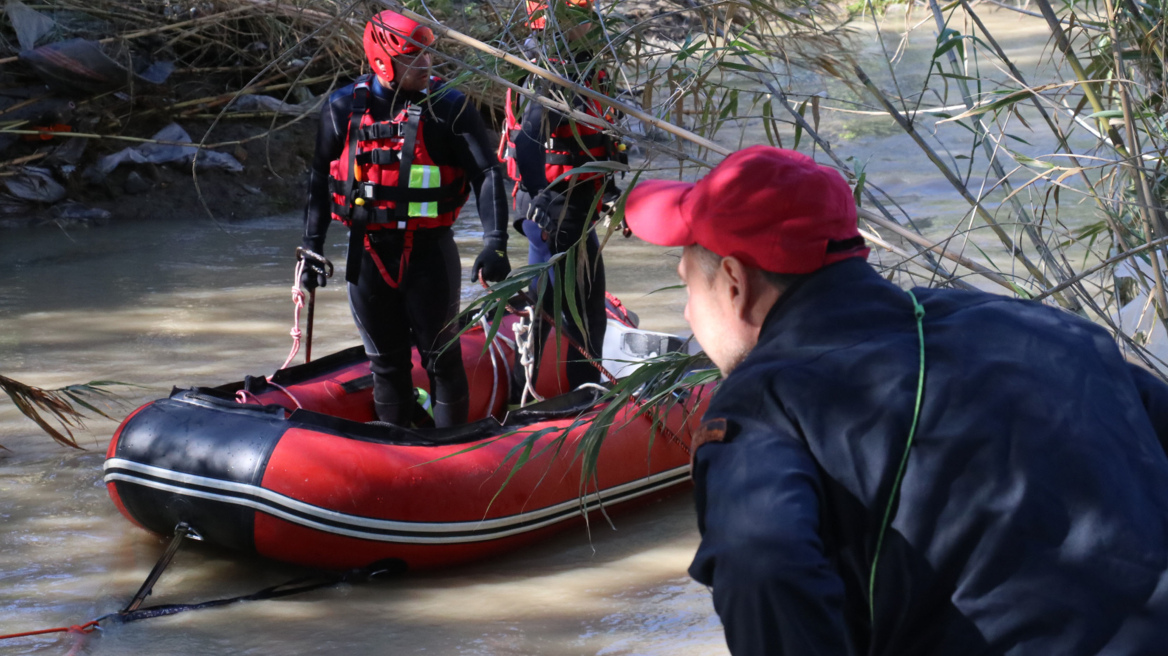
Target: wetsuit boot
(450, 414)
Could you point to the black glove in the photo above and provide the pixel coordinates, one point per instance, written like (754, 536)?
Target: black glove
(548, 209)
(612, 193)
(317, 269)
(492, 263)
(563, 217)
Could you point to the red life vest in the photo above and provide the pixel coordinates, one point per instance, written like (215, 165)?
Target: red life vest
(569, 145)
(397, 184)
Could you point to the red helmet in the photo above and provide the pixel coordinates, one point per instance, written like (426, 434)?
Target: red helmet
(537, 10)
(387, 35)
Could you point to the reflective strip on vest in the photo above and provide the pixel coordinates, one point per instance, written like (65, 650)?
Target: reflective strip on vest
(424, 177)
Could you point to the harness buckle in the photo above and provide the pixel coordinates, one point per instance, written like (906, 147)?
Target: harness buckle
(367, 191)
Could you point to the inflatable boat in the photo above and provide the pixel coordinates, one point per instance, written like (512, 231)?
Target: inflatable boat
(292, 466)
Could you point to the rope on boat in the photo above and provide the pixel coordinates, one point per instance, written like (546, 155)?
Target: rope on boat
(491, 348)
(302, 256)
(285, 391)
(525, 346)
(298, 304)
(133, 613)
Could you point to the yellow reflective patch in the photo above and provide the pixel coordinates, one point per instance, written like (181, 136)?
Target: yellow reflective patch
(424, 177)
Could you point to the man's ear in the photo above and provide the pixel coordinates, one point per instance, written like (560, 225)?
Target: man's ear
(738, 288)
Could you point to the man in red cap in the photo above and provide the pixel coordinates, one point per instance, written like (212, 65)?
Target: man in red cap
(889, 472)
(396, 156)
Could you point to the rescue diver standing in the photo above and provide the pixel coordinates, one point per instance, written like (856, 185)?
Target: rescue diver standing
(396, 156)
(542, 147)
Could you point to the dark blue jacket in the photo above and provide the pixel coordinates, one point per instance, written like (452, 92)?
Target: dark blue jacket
(1033, 513)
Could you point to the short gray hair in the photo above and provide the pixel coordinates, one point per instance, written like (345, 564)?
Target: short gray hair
(709, 261)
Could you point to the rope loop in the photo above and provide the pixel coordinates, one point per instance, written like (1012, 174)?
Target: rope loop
(525, 345)
(297, 304)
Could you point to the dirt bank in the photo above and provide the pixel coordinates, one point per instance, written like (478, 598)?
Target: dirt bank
(275, 167)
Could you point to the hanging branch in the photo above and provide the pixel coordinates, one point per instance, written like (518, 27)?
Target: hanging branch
(60, 405)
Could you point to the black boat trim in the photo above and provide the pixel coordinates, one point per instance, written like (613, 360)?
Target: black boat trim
(380, 530)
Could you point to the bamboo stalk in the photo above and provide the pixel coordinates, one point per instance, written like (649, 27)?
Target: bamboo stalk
(18, 161)
(913, 259)
(1143, 193)
(574, 114)
(559, 80)
(1150, 245)
(223, 99)
(953, 180)
(156, 30)
(1064, 46)
(980, 130)
(909, 235)
(989, 38)
(22, 104)
(1091, 25)
(888, 224)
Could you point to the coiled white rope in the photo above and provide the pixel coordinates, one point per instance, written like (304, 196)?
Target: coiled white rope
(525, 346)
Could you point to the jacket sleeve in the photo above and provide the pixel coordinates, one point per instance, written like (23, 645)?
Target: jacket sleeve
(481, 164)
(330, 142)
(761, 551)
(1154, 394)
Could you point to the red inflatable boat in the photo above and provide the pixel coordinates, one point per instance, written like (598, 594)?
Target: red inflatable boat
(288, 468)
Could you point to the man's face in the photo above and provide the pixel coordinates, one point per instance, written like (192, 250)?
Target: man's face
(410, 72)
(710, 313)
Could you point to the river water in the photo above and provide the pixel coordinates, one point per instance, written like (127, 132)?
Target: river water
(166, 303)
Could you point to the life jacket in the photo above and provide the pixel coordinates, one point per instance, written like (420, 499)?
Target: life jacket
(568, 146)
(395, 183)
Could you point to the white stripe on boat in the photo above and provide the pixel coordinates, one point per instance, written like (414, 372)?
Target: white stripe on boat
(287, 508)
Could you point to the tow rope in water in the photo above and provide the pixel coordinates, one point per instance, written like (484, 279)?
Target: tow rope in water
(133, 612)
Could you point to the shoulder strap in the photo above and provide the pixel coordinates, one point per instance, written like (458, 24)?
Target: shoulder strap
(357, 217)
(410, 140)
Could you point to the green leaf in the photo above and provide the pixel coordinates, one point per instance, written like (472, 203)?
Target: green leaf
(798, 125)
(1026, 160)
(1107, 113)
(746, 68)
(947, 40)
(688, 48)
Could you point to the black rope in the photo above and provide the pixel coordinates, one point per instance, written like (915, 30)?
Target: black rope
(299, 585)
(295, 586)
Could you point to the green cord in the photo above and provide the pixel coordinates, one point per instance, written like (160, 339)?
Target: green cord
(919, 314)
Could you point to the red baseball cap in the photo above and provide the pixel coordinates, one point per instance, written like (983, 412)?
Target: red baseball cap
(773, 209)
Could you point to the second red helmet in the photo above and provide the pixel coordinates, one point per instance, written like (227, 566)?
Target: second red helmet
(536, 10)
(388, 35)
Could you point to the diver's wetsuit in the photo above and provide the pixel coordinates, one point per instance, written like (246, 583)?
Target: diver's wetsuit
(537, 124)
(421, 309)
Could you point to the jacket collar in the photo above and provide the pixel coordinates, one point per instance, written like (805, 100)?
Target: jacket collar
(814, 303)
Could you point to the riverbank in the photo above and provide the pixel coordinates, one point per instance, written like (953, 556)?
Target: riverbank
(271, 180)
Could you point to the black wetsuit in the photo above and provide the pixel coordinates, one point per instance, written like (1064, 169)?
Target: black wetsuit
(420, 311)
(537, 124)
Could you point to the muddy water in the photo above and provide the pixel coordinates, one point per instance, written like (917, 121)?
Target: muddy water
(164, 303)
